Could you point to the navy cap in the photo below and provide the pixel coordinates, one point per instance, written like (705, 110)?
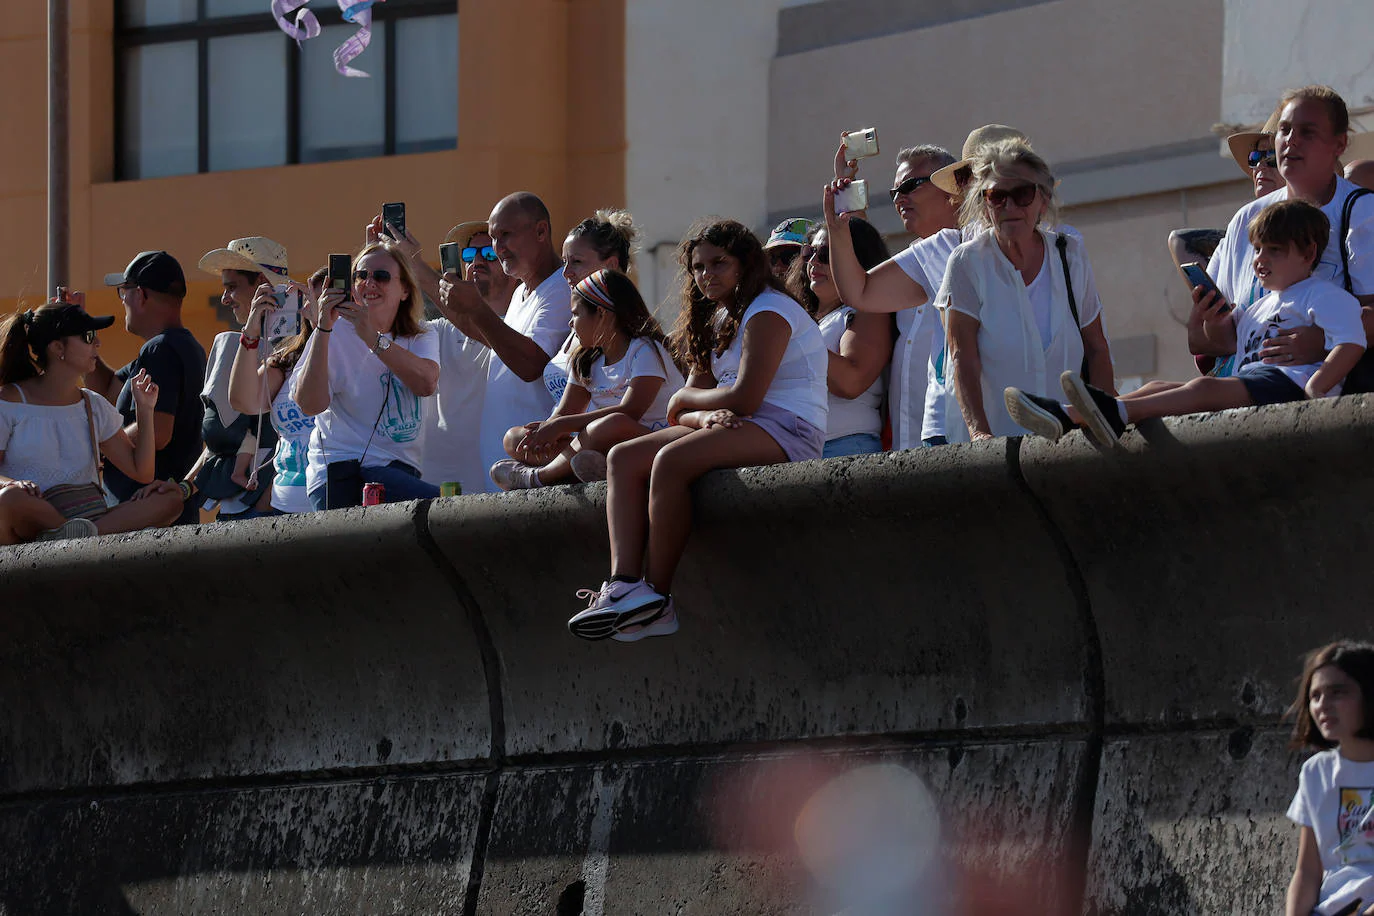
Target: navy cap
(154, 270)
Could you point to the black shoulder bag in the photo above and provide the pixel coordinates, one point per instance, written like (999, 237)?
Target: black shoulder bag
(1062, 243)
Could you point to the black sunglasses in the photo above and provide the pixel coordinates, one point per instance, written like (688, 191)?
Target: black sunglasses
(906, 187)
(1262, 157)
(381, 276)
(470, 253)
(87, 336)
(782, 254)
(1022, 195)
(819, 252)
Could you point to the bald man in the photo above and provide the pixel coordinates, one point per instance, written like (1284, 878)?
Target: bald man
(532, 329)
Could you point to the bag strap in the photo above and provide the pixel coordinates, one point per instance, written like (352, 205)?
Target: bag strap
(1346, 212)
(1062, 243)
(95, 446)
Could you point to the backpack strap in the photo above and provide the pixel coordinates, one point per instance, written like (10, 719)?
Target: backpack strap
(1347, 210)
(1062, 243)
(95, 445)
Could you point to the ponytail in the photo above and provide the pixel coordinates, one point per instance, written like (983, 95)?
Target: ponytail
(16, 361)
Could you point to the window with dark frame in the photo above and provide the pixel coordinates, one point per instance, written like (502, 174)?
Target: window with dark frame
(214, 85)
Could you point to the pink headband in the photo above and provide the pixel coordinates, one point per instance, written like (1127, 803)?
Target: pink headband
(594, 289)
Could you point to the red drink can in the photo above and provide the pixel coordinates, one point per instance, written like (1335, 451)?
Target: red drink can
(373, 494)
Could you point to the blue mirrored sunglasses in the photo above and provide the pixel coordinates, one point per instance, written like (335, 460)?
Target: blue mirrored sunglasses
(470, 254)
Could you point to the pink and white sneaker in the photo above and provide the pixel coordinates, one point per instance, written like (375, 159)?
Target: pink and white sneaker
(665, 625)
(616, 605)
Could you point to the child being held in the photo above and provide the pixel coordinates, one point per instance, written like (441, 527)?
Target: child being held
(1289, 238)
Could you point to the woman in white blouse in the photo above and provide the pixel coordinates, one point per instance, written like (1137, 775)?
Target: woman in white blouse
(1009, 305)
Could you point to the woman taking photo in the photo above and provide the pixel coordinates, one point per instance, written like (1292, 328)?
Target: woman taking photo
(860, 344)
(362, 379)
(756, 396)
(1008, 302)
(53, 433)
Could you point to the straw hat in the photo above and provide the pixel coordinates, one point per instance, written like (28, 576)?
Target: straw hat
(1243, 143)
(252, 255)
(944, 178)
(463, 232)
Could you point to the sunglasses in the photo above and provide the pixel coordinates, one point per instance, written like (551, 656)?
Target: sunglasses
(470, 253)
(782, 254)
(1263, 158)
(819, 252)
(381, 276)
(906, 187)
(1022, 195)
(87, 336)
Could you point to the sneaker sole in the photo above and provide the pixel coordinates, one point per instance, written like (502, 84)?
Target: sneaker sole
(1031, 416)
(659, 627)
(604, 623)
(1099, 430)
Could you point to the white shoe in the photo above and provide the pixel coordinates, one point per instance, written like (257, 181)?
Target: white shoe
(665, 625)
(509, 474)
(616, 605)
(71, 528)
(589, 465)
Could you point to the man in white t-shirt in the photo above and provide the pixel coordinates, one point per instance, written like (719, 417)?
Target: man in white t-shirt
(532, 329)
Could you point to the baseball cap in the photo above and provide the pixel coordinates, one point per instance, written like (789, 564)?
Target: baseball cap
(45, 325)
(154, 270)
(789, 232)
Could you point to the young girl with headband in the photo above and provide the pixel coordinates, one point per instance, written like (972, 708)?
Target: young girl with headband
(53, 433)
(619, 383)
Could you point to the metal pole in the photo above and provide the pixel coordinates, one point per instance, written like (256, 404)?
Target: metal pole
(59, 187)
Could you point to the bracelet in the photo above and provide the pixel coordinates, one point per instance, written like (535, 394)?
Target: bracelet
(184, 487)
(324, 330)
(249, 343)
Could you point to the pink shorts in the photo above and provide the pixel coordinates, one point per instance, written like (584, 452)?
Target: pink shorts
(800, 440)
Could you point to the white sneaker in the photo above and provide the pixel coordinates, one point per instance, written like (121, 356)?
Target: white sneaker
(71, 528)
(616, 605)
(589, 465)
(509, 474)
(665, 625)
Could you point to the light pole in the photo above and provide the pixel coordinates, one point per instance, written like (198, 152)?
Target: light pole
(59, 187)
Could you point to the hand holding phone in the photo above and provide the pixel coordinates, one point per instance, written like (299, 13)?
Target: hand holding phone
(853, 197)
(340, 272)
(451, 258)
(394, 215)
(1198, 277)
(285, 319)
(862, 143)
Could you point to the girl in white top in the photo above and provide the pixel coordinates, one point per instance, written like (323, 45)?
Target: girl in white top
(364, 388)
(756, 395)
(1005, 297)
(257, 387)
(51, 429)
(621, 377)
(1334, 805)
(859, 344)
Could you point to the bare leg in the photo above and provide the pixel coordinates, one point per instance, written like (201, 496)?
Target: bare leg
(604, 434)
(1197, 396)
(1150, 388)
(628, 467)
(559, 470)
(675, 468)
(24, 516)
(156, 511)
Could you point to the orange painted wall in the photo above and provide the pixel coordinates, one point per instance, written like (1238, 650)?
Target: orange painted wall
(541, 108)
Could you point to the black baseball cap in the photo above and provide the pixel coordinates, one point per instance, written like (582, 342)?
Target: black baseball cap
(48, 324)
(154, 270)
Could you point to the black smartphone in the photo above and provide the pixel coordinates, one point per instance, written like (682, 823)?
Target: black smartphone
(395, 215)
(1198, 276)
(340, 271)
(451, 258)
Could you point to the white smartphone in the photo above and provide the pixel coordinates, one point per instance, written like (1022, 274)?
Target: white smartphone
(285, 320)
(852, 198)
(862, 143)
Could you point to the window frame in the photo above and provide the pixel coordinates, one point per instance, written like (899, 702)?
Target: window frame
(203, 29)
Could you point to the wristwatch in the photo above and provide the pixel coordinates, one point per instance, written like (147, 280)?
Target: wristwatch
(383, 343)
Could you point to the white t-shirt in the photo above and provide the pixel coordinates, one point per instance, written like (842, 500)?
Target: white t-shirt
(453, 417)
(52, 445)
(1039, 294)
(556, 370)
(799, 384)
(542, 316)
(920, 340)
(850, 416)
(644, 358)
(291, 459)
(370, 410)
(1311, 302)
(982, 283)
(1334, 798)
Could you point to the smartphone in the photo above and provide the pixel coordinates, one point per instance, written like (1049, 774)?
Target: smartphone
(451, 258)
(852, 198)
(340, 271)
(67, 296)
(394, 215)
(1197, 276)
(862, 143)
(285, 320)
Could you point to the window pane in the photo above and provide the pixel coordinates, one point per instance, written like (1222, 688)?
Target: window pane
(426, 83)
(342, 117)
(247, 101)
(158, 12)
(239, 8)
(160, 111)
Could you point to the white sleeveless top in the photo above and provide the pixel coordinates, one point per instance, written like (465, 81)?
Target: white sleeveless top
(851, 416)
(798, 387)
(52, 445)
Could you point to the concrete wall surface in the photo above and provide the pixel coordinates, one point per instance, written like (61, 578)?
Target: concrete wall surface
(1041, 678)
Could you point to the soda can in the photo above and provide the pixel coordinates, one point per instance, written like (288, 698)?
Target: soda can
(373, 494)
(451, 488)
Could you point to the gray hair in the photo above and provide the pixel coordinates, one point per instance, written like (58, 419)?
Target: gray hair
(938, 156)
(996, 161)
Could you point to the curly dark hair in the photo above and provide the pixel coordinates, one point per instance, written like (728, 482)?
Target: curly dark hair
(869, 247)
(698, 333)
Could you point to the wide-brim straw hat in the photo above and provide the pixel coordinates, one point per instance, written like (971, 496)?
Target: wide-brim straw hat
(462, 233)
(1243, 144)
(945, 179)
(251, 255)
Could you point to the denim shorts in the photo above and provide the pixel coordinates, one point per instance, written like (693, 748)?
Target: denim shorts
(853, 444)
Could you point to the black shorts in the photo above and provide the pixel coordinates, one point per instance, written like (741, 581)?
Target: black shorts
(1269, 385)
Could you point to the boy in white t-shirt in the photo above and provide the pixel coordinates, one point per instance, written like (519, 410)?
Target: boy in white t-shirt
(1289, 238)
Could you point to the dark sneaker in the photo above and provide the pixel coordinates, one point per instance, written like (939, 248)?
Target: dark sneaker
(1101, 416)
(1042, 416)
(615, 606)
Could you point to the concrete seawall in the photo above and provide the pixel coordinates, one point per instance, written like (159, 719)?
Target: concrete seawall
(380, 711)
